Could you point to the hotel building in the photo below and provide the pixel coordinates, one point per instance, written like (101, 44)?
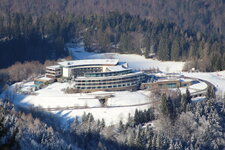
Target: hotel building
(98, 74)
(53, 71)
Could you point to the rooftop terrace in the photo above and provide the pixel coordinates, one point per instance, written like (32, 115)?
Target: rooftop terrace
(87, 62)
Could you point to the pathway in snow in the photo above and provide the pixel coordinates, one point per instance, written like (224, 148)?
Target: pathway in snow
(86, 107)
(124, 102)
(216, 78)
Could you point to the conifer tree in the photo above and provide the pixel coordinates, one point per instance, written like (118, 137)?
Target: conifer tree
(177, 102)
(130, 121)
(210, 92)
(188, 96)
(171, 110)
(163, 106)
(121, 126)
(159, 141)
(167, 108)
(102, 124)
(130, 137)
(163, 50)
(136, 117)
(138, 137)
(1, 122)
(175, 50)
(185, 100)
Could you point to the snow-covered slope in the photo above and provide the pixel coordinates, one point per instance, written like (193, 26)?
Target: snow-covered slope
(53, 96)
(134, 61)
(216, 78)
(119, 106)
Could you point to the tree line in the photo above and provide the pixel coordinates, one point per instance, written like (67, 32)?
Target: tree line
(40, 33)
(203, 15)
(24, 38)
(187, 125)
(125, 33)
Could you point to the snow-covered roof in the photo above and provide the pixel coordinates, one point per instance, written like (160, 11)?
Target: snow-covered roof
(111, 77)
(53, 67)
(124, 64)
(186, 80)
(44, 79)
(87, 62)
(116, 68)
(199, 86)
(176, 79)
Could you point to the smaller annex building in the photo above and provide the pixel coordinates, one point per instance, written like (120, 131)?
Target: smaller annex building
(97, 74)
(169, 83)
(53, 71)
(43, 81)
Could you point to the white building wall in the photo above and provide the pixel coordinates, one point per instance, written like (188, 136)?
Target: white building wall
(104, 68)
(66, 72)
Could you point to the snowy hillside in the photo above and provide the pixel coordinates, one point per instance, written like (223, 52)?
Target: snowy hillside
(117, 107)
(216, 78)
(134, 61)
(67, 105)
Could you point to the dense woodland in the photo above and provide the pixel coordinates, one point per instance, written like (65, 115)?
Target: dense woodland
(37, 30)
(181, 30)
(178, 124)
(203, 15)
(131, 34)
(23, 39)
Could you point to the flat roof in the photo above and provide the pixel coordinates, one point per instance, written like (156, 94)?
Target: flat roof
(53, 67)
(108, 77)
(87, 62)
(43, 79)
(116, 68)
(175, 79)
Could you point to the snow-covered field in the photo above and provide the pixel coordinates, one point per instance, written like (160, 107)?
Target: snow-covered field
(119, 106)
(54, 97)
(110, 115)
(216, 78)
(134, 61)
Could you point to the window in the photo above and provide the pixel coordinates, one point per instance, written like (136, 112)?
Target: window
(172, 85)
(184, 85)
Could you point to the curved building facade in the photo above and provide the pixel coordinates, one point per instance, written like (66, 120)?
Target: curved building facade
(106, 82)
(99, 75)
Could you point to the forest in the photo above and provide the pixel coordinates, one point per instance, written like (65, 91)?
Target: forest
(23, 39)
(183, 30)
(201, 15)
(33, 34)
(178, 124)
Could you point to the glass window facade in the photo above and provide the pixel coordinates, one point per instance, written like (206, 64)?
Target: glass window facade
(106, 74)
(108, 83)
